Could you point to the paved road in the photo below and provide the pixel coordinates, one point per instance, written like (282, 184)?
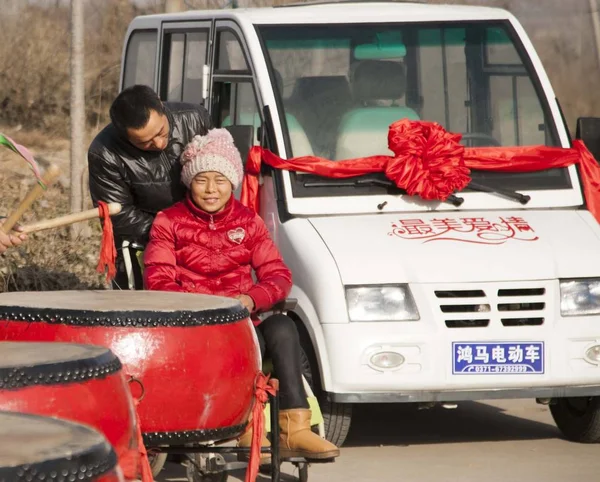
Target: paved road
(493, 442)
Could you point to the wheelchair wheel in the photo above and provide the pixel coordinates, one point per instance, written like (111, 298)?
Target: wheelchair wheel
(157, 462)
(195, 472)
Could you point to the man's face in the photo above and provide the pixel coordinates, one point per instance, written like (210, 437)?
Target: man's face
(154, 136)
(211, 191)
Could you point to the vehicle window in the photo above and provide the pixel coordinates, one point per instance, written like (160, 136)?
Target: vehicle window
(346, 84)
(140, 59)
(197, 44)
(176, 45)
(185, 56)
(230, 55)
(234, 103)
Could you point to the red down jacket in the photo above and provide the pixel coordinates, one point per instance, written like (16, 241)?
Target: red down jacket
(193, 251)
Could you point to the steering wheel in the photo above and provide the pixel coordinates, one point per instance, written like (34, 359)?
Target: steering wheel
(481, 136)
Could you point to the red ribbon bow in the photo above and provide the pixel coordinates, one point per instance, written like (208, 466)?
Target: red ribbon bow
(430, 162)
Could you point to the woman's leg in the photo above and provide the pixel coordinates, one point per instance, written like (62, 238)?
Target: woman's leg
(296, 437)
(282, 345)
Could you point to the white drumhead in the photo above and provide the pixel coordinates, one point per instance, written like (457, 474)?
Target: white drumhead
(115, 300)
(30, 439)
(28, 354)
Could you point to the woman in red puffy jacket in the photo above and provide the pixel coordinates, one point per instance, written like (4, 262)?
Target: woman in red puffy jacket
(210, 243)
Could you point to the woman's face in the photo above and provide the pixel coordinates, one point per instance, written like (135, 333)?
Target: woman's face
(211, 191)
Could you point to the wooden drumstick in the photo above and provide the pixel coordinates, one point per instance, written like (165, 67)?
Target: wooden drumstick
(48, 178)
(113, 208)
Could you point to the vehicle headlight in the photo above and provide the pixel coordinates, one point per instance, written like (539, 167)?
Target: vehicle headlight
(580, 297)
(381, 303)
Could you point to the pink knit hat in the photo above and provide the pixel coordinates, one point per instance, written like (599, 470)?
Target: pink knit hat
(213, 152)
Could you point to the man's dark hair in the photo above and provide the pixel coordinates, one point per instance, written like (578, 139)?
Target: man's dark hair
(133, 106)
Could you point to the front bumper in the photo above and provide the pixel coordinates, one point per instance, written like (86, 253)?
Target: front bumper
(427, 375)
(463, 395)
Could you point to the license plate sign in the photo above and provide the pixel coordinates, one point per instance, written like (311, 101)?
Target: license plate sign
(504, 358)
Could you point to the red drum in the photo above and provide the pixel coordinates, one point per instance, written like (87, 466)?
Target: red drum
(82, 383)
(34, 448)
(194, 358)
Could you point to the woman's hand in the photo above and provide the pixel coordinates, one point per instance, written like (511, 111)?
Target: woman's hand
(247, 302)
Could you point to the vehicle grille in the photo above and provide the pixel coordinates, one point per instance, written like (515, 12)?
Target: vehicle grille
(477, 308)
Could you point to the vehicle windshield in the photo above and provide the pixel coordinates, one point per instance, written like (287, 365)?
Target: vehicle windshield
(341, 86)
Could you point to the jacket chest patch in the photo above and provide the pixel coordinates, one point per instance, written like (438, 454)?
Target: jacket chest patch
(236, 235)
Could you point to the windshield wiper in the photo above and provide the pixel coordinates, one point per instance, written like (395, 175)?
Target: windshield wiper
(359, 182)
(452, 199)
(515, 196)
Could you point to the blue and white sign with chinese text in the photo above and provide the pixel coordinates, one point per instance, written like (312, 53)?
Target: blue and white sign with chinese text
(498, 358)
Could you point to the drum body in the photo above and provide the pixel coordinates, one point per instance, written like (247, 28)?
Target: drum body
(81, 383)
(35, 448)
(193, 358)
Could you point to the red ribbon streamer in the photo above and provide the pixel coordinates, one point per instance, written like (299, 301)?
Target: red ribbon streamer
(430, 162)
(135, 462)
(263, 387)
(108, 252)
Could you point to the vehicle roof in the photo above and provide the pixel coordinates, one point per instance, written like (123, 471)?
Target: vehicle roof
(342, 12)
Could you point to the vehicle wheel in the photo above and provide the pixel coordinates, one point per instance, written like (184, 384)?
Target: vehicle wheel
(157, 462)
(337, 416)
(578, 418)
(195, 474)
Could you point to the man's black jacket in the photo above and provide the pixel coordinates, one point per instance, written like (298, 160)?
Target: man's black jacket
(142, 182)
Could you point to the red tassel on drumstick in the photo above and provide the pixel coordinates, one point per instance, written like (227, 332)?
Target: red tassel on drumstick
(104, 211)
(108, 252)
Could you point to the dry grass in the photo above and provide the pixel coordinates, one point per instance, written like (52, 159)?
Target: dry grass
(34, 79)
(49, 260)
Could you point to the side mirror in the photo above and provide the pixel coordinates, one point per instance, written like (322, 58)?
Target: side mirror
(243, 138)
(588, 130)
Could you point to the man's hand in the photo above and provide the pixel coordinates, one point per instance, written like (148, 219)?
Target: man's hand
(10, 240)
(247, 302)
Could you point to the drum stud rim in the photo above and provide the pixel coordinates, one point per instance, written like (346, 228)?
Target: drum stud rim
(189, 436)
(24, 376)
(120, 319)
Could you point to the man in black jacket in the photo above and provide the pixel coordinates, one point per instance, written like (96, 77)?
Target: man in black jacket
(135, 161)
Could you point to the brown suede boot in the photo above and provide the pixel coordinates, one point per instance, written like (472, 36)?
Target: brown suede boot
(245, 440)
(298, 440)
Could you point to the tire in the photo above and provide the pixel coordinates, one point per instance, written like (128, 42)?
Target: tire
(157, 462)
(337, 416)
(578, 418)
